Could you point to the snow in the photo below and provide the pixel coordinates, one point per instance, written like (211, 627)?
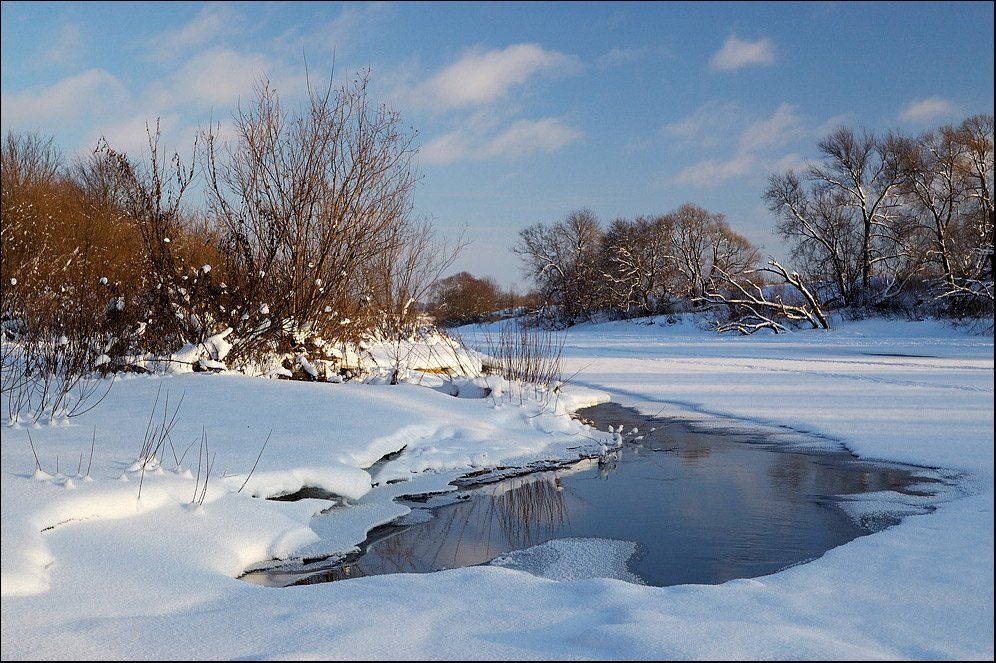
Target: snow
(321, 435)
(921, 394)
(431, 352)
(90, 571)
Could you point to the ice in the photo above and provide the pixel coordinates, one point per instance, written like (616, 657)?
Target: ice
(574, 559)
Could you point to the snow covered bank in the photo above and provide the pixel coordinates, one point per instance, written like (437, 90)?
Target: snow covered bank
(321, 435)
(918, 392)
(155, 579)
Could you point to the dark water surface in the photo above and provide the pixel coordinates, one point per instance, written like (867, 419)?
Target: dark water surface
(702, 505)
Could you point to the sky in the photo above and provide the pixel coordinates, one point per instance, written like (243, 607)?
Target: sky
(523, 112)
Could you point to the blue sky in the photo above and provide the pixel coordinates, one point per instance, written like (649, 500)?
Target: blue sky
(524, 111)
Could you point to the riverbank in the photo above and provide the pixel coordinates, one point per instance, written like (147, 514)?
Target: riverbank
(135, 582)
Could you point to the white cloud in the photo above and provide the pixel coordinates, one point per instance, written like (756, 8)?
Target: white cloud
(354, 21)
(781, 128)
(479, 139)
(473, 84)
(90, 93)
(219, 77)
(545, 135)
(345, 34)
(791, 161)
(758, 143)
(713, 172)
(920, 111)
(705, 127)
(204, 87)
(446, 149)
(482, 77)
(739, 53)
(66, 47)
(210, 23)
(833, 123)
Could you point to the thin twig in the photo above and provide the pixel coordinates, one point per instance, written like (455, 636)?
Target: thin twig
(31, 442)
(93, 441)
(257, 461)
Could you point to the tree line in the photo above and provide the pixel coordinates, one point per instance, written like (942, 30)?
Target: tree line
(887, 223)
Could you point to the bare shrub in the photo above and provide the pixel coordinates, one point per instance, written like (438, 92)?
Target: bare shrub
(528, 358)
(178, 300)
(53, 308)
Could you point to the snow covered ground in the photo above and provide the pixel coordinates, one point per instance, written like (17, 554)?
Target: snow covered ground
(91, 571)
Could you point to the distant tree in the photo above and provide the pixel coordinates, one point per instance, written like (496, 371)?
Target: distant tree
(635, 267)
(638, 265)
(703, 245)
(563, 261)
(463, 299)
(401, 279)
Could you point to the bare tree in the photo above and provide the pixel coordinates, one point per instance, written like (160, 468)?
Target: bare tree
(704, 245)
(638, 265)
(865, 171)
(563, 260)
(973, 234)
(304, 202)
(932, 184)
(842, 215)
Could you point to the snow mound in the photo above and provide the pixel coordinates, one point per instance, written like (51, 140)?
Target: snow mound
(574, 559)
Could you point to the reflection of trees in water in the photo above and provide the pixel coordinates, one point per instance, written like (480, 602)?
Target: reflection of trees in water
(494, 521)
(396, 554)
(801, 476)
(791, 473)
(528, 512)
(691, 454)
(766, 518)
(344, 572)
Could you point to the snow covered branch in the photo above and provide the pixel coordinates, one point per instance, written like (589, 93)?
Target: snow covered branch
(753, 306)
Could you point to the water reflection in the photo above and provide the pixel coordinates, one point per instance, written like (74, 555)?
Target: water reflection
(704, 507)
(490, 520)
